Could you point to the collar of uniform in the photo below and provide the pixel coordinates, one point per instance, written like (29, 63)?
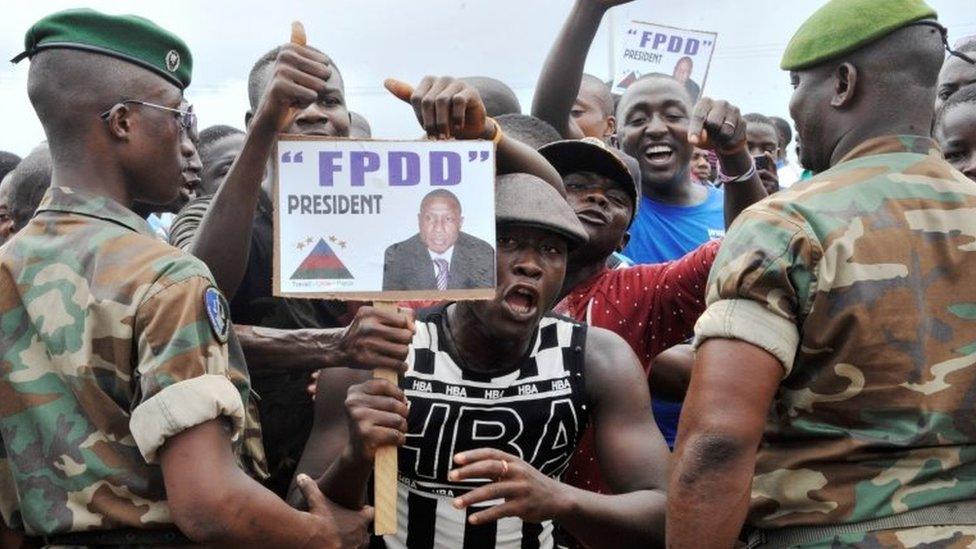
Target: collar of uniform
(70, 200)
(894, 144)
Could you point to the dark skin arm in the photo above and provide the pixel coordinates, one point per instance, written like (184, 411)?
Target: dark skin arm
(374, 339)
(718, 436)
(340, 466)
(212, 501)
(632, 453)
(448, 108)
(671, 373)
(223, 239)
(633, 458)
(562, 73)
(718, 125)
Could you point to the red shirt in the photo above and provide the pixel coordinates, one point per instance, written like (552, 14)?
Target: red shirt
(653, 307)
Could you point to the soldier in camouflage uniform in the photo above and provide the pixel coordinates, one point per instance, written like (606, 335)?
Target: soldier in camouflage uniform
(123, 394)
(833, 400)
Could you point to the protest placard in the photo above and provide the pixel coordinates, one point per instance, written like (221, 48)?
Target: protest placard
(384, 220)
(646, 48)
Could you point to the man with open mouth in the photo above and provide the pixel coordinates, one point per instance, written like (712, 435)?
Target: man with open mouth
(494, 402)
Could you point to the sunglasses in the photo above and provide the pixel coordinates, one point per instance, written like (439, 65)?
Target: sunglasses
(187, 118)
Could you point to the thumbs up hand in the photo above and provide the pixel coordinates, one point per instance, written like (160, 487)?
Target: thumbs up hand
(298, 79)
(446, 107)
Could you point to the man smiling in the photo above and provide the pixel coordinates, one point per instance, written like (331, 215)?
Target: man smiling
(675, 214)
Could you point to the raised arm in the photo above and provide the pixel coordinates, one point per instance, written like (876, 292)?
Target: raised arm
(223, 238)
(450, 108)
(513, 156)
(718, 125)
(562, 73)
(633, 458)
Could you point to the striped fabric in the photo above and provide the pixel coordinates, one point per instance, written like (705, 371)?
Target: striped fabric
(535, 411)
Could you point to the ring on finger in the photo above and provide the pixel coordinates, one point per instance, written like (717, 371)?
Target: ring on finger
(504, 468)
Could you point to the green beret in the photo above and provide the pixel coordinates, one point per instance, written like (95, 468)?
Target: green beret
(842, 26)
(127, 37)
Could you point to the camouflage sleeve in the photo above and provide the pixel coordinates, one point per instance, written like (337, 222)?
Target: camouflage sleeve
(761, 283)
(184, 227)
(183, 375)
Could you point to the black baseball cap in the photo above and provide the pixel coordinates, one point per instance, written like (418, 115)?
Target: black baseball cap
(593, 155)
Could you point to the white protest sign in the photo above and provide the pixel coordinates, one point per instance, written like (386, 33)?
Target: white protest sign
(646, 48)
(384, 220)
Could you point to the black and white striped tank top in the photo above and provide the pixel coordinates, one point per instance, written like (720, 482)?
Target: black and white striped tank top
(536, 411)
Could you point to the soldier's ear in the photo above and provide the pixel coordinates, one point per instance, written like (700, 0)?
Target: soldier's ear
(119, 121)
(845, 85)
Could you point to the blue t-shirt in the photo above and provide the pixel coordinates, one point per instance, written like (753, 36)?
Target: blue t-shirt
(662, 232)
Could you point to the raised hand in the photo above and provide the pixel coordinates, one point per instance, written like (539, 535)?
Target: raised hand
(445, 107)
(299, 76)
(340, 527)
(717, 125)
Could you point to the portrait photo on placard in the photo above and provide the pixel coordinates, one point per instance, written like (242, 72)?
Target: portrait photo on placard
(385, 219)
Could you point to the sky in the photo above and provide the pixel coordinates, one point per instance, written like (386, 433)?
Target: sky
(371, 40)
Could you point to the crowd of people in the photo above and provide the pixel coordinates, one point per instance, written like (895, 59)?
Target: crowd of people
(694, 342)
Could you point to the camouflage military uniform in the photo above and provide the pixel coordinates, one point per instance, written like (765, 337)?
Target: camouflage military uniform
(861, 282)
(108, 349)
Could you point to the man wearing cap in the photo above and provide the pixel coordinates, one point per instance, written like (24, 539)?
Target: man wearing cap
(125, 416)
(502, 390)
(847, 303)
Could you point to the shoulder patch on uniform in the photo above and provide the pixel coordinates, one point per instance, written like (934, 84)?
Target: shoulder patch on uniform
(217, 309)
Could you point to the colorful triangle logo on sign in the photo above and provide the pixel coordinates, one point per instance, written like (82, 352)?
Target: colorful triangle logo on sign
(628, 80)
(321, 263)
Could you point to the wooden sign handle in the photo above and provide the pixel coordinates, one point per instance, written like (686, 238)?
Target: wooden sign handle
(385, 463)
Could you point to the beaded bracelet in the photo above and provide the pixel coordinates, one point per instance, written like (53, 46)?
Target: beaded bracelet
(724, 179)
